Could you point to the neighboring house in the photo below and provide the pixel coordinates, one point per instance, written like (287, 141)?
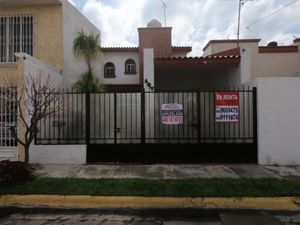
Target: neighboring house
(224, 64)
(45, 30)
(258, 61)
(36, 37)
(124, 67)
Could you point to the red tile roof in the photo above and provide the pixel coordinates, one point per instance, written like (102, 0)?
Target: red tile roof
(119, 49)
(182, 48)
(211, 62)
(135, 49)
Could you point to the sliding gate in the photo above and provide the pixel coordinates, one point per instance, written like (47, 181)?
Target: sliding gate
(157, 127)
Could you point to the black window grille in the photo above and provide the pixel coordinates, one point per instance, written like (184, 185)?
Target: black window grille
(109, 70)
(130, 66)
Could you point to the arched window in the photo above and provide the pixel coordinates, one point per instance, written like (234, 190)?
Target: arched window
(109, 70)
(130, 67)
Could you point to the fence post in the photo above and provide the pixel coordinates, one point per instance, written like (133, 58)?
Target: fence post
(143, 125)
(198, 117)
(255, 115)
(87, 117)
(115, 118)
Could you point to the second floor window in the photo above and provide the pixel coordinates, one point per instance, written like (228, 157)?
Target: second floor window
(16, 35)
(109, 70)
(130, 67)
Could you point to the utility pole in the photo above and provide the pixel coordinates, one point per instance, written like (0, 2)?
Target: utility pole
(239, 18)
(164, 8)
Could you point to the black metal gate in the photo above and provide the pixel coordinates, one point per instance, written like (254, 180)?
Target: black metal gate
(128, 127)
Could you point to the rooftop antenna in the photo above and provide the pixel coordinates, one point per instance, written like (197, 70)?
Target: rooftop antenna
(164, 7)
(239, 18)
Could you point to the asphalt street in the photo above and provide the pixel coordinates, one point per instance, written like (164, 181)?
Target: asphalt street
(43, 216)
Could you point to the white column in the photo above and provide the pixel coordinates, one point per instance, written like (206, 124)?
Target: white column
(149, 87)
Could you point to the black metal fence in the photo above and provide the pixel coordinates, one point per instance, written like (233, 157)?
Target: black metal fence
(136, 117)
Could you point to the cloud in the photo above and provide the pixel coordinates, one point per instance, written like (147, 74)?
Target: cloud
(194, 22)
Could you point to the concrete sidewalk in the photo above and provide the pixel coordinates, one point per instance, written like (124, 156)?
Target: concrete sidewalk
(168, 171)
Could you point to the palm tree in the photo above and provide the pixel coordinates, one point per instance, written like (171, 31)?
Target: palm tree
(86, 46)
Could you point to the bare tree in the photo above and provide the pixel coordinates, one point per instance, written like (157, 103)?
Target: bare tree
(36, 98)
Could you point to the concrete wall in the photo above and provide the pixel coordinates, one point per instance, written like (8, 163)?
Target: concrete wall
(278, 120)
(74, 22)
(118, 59)
(58, 154)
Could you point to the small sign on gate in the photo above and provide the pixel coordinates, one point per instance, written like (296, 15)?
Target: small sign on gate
(227, 107)
(172, 113)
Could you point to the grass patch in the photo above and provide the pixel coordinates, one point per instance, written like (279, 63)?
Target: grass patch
(173, 188)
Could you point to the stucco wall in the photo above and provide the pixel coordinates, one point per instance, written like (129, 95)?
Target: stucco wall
(58, 154)
(35, 70)
(220, 47)
(118, 59)
(278, 65)
(278, 120)
(47, 37)
(74, 22)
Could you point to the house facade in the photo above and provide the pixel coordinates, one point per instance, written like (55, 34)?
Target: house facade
(44, 30)
(36, 37)
(258, 61)
(124, 67)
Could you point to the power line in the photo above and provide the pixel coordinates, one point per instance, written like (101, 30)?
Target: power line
(271, 14)
(257, 14)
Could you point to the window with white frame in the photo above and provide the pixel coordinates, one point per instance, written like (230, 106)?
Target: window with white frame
(130, 67)
(16, 35)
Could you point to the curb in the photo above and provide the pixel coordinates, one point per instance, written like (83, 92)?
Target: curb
(125, 202)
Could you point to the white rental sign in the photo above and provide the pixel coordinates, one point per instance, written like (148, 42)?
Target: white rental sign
(172, 113)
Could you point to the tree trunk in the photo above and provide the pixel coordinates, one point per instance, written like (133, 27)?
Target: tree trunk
(26, 154)
(89, 77)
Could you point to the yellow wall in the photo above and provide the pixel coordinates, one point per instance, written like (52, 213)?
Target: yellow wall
(48, 45)
(48, 35)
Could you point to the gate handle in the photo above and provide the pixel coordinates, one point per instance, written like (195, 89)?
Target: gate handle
(117, 129)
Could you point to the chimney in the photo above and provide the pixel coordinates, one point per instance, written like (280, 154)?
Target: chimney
(157, 37)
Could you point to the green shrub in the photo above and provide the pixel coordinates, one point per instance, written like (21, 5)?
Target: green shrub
(15, 172)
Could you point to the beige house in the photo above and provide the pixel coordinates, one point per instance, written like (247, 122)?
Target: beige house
(36, 37)
(258, 61)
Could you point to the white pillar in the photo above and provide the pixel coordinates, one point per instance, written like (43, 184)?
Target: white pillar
(149, 87)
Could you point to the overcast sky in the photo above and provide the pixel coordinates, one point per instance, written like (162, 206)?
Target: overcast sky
(194, 22)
